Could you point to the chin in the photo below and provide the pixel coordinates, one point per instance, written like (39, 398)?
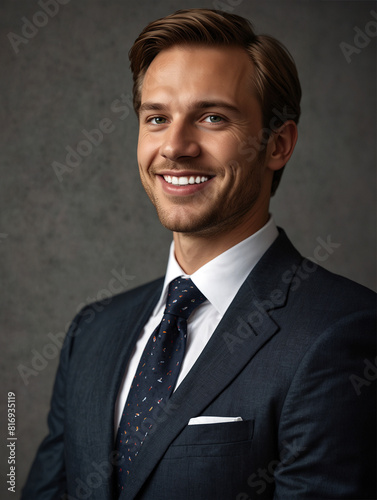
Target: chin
(207, 225)
(181, 226)
(183, 223)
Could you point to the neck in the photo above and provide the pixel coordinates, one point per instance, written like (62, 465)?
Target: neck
(193, 250)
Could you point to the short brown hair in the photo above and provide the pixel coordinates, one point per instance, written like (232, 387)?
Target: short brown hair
(276, 80)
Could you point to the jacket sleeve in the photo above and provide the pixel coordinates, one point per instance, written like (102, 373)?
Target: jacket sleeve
(327, 430)
(47, 478)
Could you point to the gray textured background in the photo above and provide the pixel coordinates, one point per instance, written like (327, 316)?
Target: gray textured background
(61, 243)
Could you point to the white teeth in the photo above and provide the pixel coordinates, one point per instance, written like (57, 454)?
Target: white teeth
(184, 181)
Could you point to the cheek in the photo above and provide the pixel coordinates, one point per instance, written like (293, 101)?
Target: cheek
(227, 148)
(145, 151)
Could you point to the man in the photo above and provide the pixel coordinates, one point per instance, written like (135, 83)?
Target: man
(258, 391)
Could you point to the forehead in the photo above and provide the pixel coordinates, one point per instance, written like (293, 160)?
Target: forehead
(192, 70)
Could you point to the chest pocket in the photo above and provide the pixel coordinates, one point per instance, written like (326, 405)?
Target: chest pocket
(211, 440)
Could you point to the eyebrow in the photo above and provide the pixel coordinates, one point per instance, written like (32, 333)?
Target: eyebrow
(156, 106)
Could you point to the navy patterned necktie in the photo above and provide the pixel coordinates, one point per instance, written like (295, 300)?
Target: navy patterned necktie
(156, 375)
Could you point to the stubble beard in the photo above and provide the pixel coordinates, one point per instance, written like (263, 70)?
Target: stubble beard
(211, 218)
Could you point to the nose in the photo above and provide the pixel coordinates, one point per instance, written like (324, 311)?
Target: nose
(179, 142)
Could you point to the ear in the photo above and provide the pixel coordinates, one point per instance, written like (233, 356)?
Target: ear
(283, 142)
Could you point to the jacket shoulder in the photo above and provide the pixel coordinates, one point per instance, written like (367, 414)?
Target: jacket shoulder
(130, 298)
(335, 291)
(139, 293)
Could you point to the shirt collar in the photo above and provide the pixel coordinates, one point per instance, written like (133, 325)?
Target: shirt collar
(221, 278)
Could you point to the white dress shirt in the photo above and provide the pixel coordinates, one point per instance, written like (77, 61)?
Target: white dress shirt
(219, 280)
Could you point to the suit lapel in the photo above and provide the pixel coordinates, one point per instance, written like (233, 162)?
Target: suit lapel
(244, 329)
(116, 340)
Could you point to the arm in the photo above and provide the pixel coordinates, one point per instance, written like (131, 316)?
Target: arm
(46, 480)
(327, 430)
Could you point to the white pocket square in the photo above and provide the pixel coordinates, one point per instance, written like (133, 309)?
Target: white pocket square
(213, 420)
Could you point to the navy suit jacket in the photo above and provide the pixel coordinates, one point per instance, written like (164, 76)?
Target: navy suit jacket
(294, 357)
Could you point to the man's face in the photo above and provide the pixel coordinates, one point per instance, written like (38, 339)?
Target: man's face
(197, 109)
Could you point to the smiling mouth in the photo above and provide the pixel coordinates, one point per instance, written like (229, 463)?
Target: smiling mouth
(185, 180)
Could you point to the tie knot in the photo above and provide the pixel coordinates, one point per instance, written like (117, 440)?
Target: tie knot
(183, 298)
